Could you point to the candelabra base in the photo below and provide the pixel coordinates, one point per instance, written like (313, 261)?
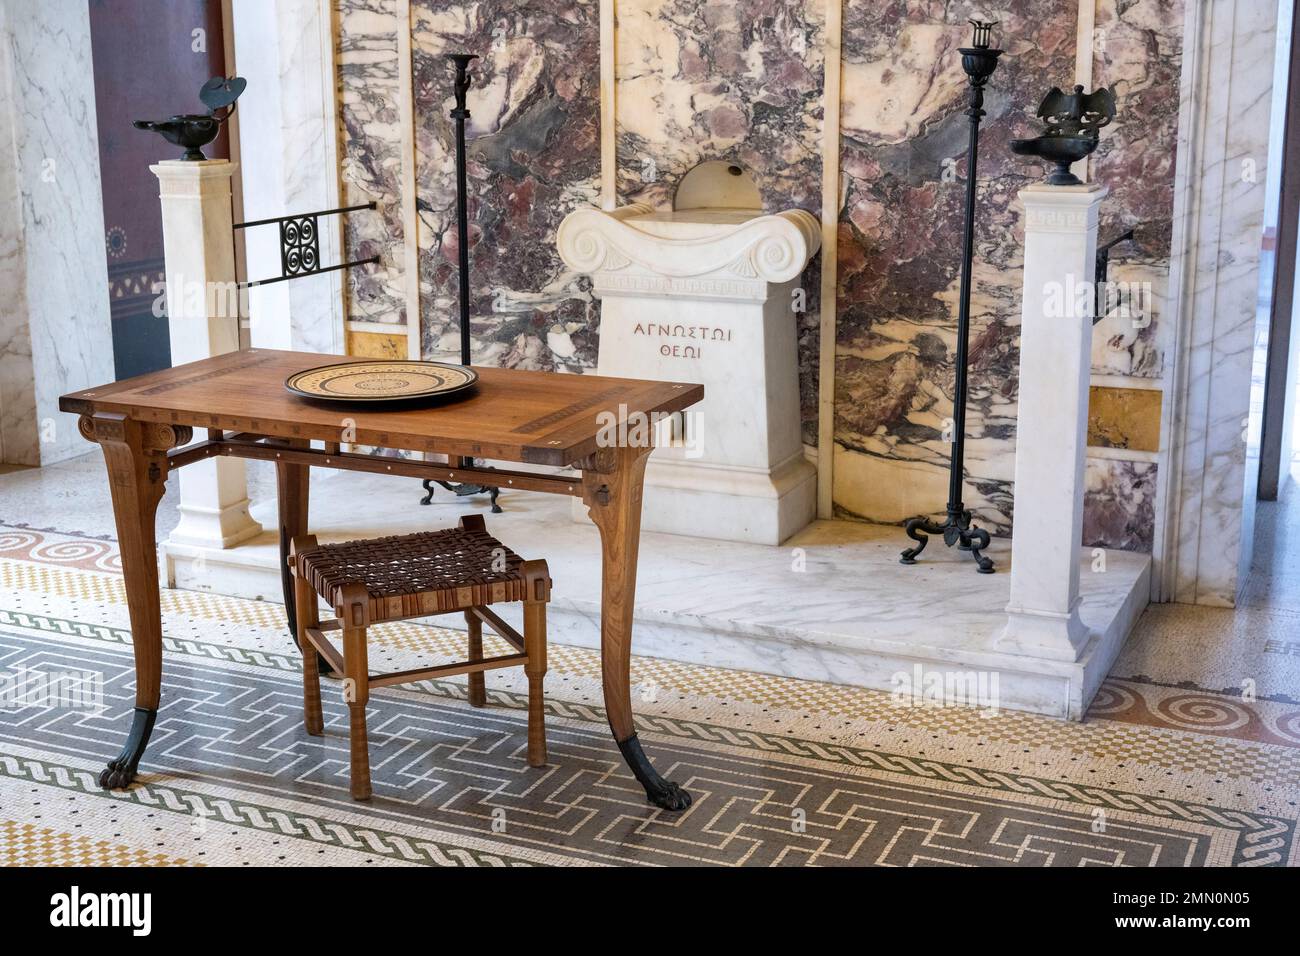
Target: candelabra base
(461, 490)
(956, 530)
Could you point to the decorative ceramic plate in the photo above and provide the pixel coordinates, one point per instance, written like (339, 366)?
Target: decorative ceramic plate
(391, 380)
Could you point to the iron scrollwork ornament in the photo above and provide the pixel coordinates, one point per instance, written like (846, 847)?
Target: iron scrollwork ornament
(299, 246)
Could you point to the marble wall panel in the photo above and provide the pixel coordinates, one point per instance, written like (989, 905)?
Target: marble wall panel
(1119, 504)
(379, 345)
(904, 171)
(533, 156)
(1137, 52)
(289, 158)
(1126, 340)
(19, 433)
(1124, 418)
(711, 80)
(55, 326)
(1211, 545)
(744, 80)
(370, 152)
(740, 80)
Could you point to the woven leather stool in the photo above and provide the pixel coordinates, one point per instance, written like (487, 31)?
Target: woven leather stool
(389, 579)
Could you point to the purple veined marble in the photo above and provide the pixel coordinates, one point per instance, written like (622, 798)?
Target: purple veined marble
(1138, 48)
(743, 81)
(903, 141)
(902, 169)
(370, 145)
(533, 155)
(1119, 504)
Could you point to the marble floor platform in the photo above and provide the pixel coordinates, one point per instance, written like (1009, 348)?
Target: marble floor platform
(831, 604)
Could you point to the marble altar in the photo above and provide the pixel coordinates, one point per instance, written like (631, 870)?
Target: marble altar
(708, 292)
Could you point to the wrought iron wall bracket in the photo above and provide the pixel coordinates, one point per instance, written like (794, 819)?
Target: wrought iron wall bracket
(1101, 274)
(300, 245)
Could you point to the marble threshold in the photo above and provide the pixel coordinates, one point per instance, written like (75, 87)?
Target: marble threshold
(830, 604)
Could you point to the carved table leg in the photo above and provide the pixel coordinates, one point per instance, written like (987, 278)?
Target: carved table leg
(611, 488)
(136, 456)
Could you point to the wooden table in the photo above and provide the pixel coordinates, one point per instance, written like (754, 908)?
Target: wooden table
(145, 427)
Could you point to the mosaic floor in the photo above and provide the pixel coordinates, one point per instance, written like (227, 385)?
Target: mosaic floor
(784, 772)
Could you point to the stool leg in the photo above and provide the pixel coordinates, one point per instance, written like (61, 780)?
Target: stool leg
(477, 689)
(357, 691)
(535, 668)
(308, 616)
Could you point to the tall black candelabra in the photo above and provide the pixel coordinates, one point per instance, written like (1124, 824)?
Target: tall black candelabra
(979, 61)
(459, 115)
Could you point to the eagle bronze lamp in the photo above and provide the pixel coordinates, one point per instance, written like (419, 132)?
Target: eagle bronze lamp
(1073, 121)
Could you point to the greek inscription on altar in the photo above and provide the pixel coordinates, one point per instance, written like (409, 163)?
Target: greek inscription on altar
(689, 338)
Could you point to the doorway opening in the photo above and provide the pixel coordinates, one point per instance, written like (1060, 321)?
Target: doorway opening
(1273, 432)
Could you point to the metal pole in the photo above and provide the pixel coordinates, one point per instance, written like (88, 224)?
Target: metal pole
(957, 458)
(459, 115)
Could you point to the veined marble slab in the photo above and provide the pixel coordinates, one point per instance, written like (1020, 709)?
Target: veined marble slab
(1223, 215)
(832, 604)
(370, 144)
(533, 155)
(741, 81)
(904, 171)
(55, 327)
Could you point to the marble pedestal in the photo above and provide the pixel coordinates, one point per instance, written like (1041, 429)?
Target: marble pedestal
(709, 296)
(1043, 618)
(203, 319)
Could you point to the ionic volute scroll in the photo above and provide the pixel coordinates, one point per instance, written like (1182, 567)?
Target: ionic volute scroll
(157, 436)
(154, 436)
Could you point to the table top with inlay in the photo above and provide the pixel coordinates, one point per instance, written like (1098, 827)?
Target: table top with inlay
(545, 418)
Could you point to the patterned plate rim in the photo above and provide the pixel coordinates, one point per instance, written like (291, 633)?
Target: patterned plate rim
(349, 399)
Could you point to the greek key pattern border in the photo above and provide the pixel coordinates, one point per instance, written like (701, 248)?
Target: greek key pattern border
(243, 813)
(1266, 840)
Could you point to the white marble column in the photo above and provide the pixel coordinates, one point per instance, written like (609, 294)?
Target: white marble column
(1215, 318)
(1051, 422)
(203, 319)
(55, 327)
(289, 164)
